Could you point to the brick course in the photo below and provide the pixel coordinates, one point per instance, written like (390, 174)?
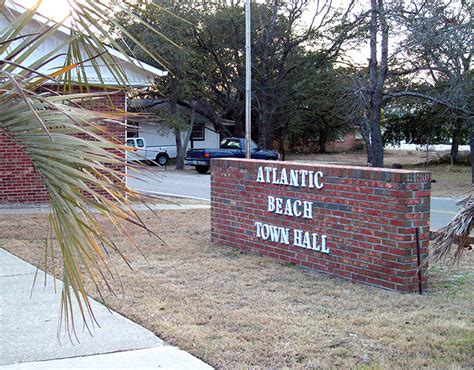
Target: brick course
(20, 182)
(369, 216)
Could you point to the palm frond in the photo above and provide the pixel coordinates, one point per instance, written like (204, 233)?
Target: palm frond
(451, 241)
(79, 161)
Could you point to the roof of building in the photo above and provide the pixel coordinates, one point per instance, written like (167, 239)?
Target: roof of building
(138, 73)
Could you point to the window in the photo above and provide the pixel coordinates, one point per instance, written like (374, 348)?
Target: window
(253, 145)
(138, 143)
(340, 137)
(230, 144)
(132, 129)
(198, 132)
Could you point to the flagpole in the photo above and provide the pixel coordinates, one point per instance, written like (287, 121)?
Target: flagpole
(248, 80)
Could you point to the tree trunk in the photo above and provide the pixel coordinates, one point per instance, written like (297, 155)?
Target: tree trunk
(365, 132)
(471, 144)
(322, 142)
(377, 145)
(370, 155)
(377, 80)
(370, 150)
(238, 125)
(282, 149)
(183, 144)
(373, 74)
(179, 150)
(265, 135)
(266, 128)
(455, 145)
(177, 131)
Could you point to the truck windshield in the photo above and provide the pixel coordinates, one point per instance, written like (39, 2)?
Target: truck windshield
(230, 144)
(235, 144)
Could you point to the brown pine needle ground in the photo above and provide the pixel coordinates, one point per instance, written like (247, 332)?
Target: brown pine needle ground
(239, 310)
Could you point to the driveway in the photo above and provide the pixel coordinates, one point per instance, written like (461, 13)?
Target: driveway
(172, 183)
(191, 184)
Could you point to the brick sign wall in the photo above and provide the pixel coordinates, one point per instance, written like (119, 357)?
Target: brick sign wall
(19, 180)
(357, 223)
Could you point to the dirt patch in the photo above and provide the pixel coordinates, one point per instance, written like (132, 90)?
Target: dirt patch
(451, 181)
(240, 310)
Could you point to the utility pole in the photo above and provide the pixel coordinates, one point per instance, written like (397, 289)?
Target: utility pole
(248, 80)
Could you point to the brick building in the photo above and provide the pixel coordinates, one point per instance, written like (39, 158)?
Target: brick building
(19, 181)
(347, 142)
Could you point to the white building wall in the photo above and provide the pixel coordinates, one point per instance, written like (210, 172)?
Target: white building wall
(212, 139)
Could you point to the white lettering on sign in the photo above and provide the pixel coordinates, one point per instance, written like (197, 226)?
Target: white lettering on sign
(303, 178)
(276, 234)
(305, 239)
(300, 238)
(291, 207)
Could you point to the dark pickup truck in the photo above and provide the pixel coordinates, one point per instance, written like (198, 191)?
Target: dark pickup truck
(229, 148)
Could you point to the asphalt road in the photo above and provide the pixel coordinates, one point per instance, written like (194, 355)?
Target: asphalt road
(173, 183)
(191, 184)
(442, 211)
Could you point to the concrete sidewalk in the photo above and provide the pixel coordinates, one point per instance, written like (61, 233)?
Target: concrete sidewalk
(28, 328)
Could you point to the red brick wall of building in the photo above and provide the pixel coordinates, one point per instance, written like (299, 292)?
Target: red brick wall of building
(368, 217)
(349, 143)
(20, 182)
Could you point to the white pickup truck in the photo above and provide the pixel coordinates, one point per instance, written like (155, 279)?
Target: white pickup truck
(158, 154)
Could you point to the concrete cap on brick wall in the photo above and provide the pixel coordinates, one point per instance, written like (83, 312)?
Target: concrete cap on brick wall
(356, 172)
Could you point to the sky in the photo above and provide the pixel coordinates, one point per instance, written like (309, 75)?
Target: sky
(58, 9)
(55, 9)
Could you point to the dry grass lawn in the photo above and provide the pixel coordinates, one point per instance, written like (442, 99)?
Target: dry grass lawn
(239, 310)
(451, 181)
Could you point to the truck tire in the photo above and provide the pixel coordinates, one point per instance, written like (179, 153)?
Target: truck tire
(202, 169)
(162, 159)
